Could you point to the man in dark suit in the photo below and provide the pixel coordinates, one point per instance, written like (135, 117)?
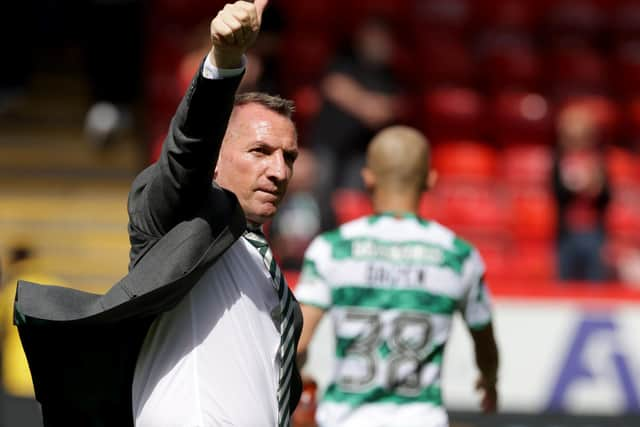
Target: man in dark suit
(202, 329)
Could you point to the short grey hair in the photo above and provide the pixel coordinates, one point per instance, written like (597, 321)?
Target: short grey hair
(275, 103)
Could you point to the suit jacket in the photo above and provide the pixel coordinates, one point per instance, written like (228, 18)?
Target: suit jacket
(81, 347)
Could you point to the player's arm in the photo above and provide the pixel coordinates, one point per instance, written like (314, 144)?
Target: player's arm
(487, 360)
(312, 316)
(476, 309)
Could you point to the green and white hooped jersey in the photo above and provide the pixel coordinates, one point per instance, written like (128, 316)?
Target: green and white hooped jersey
(392, 286)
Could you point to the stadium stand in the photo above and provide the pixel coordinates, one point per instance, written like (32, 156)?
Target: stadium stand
(453, 113)
(60, 196)
(487, 79)
(520, 117)
(510, 62)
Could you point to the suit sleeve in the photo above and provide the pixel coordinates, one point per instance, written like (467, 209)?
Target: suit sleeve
(175, 187)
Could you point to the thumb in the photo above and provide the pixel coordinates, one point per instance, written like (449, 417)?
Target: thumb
(260, 5)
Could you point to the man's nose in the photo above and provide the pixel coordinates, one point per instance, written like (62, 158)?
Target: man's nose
(277, 170)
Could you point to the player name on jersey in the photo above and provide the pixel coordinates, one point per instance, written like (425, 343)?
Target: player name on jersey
(393, 251)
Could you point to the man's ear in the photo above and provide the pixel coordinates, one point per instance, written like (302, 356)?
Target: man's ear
(432, 178)
(369, 178)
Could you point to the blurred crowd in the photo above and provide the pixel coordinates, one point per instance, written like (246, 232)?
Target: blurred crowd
(532, 108)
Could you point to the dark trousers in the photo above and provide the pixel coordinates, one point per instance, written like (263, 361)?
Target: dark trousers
(579, 256)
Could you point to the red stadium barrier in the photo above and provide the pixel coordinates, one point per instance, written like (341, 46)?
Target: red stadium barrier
(587, 293)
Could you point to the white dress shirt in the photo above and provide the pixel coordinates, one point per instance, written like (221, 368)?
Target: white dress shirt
(212, 360)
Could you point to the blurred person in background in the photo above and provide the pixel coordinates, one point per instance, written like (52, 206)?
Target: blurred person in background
(302, 214)
(392, 283)
(360, 96)
(582, 196)
(202, 285)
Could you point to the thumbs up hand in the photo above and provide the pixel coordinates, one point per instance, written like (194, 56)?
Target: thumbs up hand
(233, 30)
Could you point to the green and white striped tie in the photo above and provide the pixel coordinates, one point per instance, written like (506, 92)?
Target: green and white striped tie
(287, 347)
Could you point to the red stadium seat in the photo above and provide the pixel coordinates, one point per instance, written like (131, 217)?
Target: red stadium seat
(442, 16)
(623, 214)
(532, 262)
(467, 160)
(576, 71)
(163, 94)
(632, 116)
(510, 63)
(526, 165)
(308, 102)
(185, 12)
(476, 208)
(442, 60)
(521, 117)
(533, 214)
(350, 204)
(494, 251)
(397, 12)
(432, 207)
(162, 85)
(627, 68)
(165, 50)
(454, 113)
(576, 19)
(303, 59)
(477, 216)
(626, 20)
(310, 15)
(188, 67)
(520, 15)
(623, 167)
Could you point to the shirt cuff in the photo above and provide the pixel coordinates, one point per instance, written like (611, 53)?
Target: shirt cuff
(215, 73)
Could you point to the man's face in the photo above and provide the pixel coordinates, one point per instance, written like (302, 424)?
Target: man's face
(256, 159)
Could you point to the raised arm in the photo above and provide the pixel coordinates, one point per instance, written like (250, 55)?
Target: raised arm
(174, 188)
(233, 31)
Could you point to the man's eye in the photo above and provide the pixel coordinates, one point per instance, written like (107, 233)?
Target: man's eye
(290, 158)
